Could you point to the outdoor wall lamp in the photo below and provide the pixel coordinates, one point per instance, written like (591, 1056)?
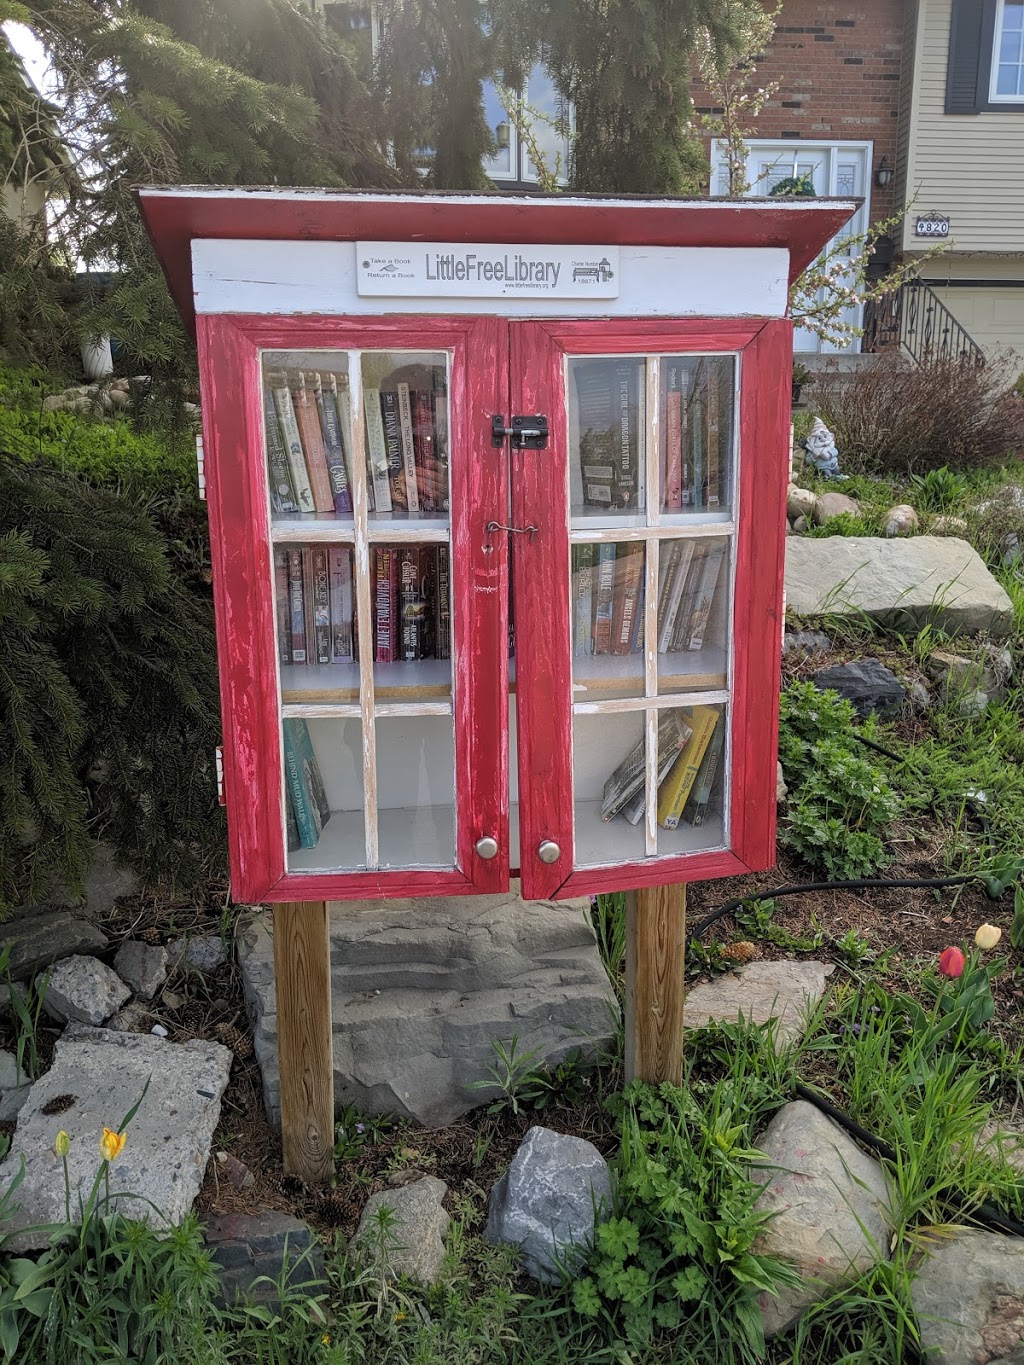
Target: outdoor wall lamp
(884, 173)
(501, 134)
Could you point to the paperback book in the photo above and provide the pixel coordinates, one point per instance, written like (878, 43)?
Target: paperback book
(304, 785)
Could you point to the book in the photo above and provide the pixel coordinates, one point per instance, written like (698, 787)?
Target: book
(704, 597)
(376, 451)
(385, 577)
(412, 494)
(296, 605)
(697, 802)
(629, 776)
(685, 402)
(432, 480)
(339, 572)
(414, 601)
(670, 742)
(604, 599)
(281, 599)
(301, 485)
(583, 586)
(279, 475)
(713, 446)
(595, 423)
(304, 783)
(697, 428)
(439, 410)
(337, 441)
(681, 634)
(442, 605)
(668, 611)
(317, 604)
(673, 792)
(308, 421)
(629, 571)
(393, 441)
(674, 441)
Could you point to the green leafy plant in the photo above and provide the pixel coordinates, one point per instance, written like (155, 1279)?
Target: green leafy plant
(843, 524)
(939, 490)
(855, 950)
(355, 1130)
(840, 802)
(27, 1007)
(526, 1083)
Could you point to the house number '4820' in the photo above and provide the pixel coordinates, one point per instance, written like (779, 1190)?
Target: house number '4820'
(934, 226)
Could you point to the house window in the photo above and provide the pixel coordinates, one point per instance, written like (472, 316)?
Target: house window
(538, 127)
(1007, 81)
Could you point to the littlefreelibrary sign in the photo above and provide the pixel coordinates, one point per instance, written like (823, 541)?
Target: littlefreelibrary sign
(467, 270)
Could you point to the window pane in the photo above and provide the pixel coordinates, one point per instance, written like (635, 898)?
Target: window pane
(410, 589)
(697, 401)
(607, 468)
(416, 791)
(1007, 82)
(691, 796)
(323, 794)
(609, 764)
(608, 620)
(499, 123)
(545, 112)
(406, 425)
(693, 614)
(316, 623)
(308, 434)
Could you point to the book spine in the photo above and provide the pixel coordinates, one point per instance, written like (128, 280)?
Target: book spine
(604, 606)
(296, 606)
(393, 440)
(636, 633)
(295, 778)
(282, 494)
(308, 421)
(595, 421)
(439, 414)
(668, 559)
(284, 622)
(376, 451)
(293, 444)
(339, 569)
(583, 637)
(697, 426)
(697, 802)
(335, 441)
(627, 415)
(679, 783)
(412, 603)
(442, 605)
(320, 593)
(676, 589)
(345, 418)
(674, 437)
(314, 783)
(705, 595)
(412, 492)
(433, 482)
(713, 449)
(686, 473)
(681, 633)
(384, 652)
(627, 591)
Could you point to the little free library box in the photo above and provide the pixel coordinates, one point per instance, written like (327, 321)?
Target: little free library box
(496, 491)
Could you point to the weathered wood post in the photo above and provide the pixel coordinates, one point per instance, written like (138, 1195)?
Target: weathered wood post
(655, 953)
(302, 969)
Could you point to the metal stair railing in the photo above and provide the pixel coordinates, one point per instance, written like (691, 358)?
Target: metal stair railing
(914, 319)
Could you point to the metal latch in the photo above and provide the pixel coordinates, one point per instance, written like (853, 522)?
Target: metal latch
(201, 465)
(528, 431)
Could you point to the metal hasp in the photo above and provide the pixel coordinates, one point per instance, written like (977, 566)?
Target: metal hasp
(528, 432)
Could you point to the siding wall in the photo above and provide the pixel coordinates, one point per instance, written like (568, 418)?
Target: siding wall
(969, 166)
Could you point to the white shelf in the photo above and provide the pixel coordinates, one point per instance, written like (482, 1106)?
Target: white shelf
(423, 837)
(684, 671)
(417, 680)
(386, 527)
(603, 843)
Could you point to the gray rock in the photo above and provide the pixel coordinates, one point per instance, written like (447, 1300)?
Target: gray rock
(134, 1018)
(904, 583)
(870, 687)
(204, 952)
(781, 790)
(253, 1251)
(422, 989)
(919, 696)
(968, 1296)
(947, 526)
(39, 939)
(14, 1086)
(759, 991)
(12, 1102)
(800, 502)
(829, 1205)
(805, 642)
(972, 682)
(901, 520)
(143, 966)
(84, 990)
(169, 1139)
(799, 525)
(11, 1074)
(416, 1248)
(828, 505)
(548, 1202)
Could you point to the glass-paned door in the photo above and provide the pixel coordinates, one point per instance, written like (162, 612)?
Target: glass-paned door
(835, 169)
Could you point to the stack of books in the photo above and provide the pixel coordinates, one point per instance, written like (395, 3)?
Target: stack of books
(306, 808)
(308, 421)
(315, 594)
(608, 595)
(690, 743)
(694, 476)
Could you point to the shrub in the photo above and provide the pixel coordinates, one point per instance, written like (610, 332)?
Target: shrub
(896, 418)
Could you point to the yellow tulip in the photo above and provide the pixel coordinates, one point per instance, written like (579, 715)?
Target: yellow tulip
(111, 1144)
(988, 936)
(62, 1143)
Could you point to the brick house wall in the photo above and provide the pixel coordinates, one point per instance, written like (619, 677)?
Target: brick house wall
(838, 64)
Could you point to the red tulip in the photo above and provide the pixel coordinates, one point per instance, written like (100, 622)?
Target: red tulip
(951, 962)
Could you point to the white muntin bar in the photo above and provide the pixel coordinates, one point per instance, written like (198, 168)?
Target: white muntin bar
(364, 608)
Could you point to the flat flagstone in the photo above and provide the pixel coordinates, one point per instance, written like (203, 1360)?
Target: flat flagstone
(783, 990)
(96, 1077)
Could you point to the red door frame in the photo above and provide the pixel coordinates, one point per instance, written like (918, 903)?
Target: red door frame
(229, 349)
(541, 587)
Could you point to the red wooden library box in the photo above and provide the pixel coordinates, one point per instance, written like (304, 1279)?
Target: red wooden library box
(496, 492)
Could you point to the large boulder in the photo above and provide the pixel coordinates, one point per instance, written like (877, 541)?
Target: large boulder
(422, 990)
(829, 1204)
(96, 1077)
(548, 1202)
(780, 990)
(905, 583)
(258, 1254)
(37, 940)
(968, 1296)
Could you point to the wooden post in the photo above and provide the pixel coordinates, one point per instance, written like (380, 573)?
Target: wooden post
(302, 972)
(655, 952)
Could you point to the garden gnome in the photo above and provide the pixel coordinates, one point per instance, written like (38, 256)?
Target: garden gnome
(820, 446)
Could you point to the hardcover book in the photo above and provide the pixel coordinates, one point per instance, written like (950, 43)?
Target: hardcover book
(282, 604)
(414, 594)
(674, 791)
(442, 605)
(336, 442)
(385, 604)
(704, 596)
(583, 582)
(319, 598)
(699, 800)
(304, 783)
(687, 602)
(308, 420)
(376, 451)
(301, 485)
(713, 450)
(608, 413)
(393, 440)
(674, 570)
(339, 559)
(439, 412)
(674, 441)
(282, 494)
(296, 605)
(604, 599)
(412, 493)
(433, 483)
(629, 570)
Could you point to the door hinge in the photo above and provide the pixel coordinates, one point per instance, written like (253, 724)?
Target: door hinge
(201, 465)
(219, 757)
(528, 431)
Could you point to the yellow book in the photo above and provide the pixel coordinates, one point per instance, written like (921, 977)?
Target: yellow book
(676, 788)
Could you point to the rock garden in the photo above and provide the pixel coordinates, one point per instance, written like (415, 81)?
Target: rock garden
(838, 1177)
